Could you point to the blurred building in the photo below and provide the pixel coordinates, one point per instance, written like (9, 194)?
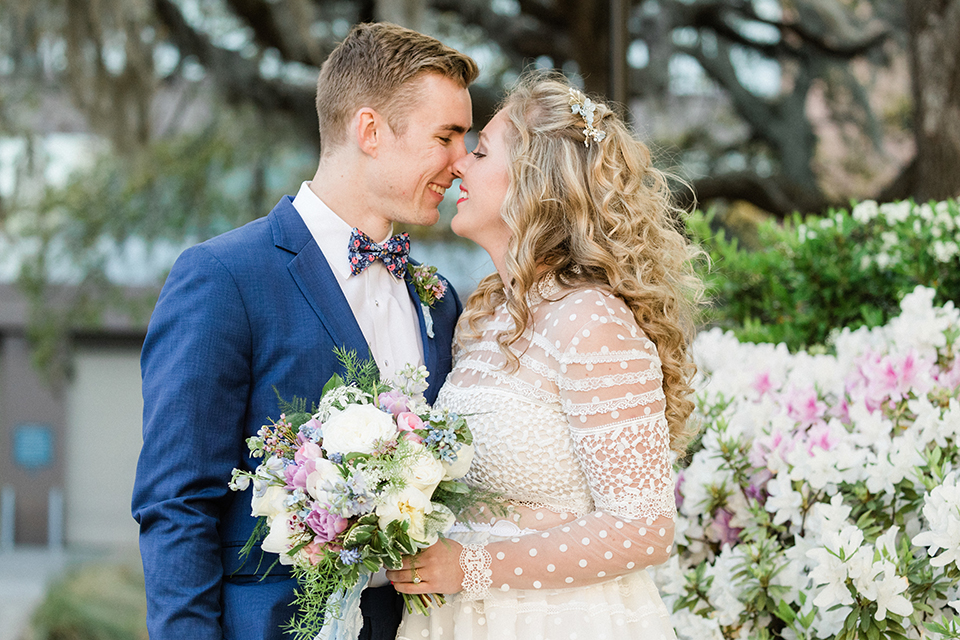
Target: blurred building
(68, 451)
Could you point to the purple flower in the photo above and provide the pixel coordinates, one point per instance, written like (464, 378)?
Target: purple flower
(394, 402)
(677, 492)
(326, 526)
(721, 529)
(296, 474)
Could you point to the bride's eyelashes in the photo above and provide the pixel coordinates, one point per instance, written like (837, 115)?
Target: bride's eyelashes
(478, 155)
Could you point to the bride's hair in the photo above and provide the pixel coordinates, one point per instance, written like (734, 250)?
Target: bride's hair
(595, 215)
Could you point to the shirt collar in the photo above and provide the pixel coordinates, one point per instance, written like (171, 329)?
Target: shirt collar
(329, 230)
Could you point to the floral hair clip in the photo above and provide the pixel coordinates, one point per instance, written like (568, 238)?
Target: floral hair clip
(586, 108)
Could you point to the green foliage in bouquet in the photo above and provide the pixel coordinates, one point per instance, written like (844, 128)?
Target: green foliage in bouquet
(815, 274)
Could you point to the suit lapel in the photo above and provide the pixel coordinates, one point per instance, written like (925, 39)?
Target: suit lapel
(315, 280)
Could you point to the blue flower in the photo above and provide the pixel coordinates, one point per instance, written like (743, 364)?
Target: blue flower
(349, 556)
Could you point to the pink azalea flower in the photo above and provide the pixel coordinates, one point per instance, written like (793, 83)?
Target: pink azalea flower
(762, 384)
(819, 435)
(805, 407)
(950, 378)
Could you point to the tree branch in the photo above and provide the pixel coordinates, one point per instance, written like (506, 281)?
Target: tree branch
(775, 194)
(519, 37)
(238, 77)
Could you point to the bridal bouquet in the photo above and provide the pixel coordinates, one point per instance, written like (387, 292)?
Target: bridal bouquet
(365, 477)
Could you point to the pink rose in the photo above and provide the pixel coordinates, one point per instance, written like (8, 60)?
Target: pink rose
(308, 451)
(406, 423)
(314, 552)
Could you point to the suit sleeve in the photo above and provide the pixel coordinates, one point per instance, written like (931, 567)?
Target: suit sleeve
(196, 365)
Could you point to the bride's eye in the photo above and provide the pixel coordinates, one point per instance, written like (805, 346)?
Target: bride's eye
(478, 155)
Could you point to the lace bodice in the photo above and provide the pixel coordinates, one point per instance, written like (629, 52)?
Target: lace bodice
(576, 439)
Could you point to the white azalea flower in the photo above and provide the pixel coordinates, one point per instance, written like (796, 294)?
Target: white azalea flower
(888, 591)
(941, 510)
(783, 502)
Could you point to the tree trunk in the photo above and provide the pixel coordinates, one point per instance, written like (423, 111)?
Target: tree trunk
(406, 13)
(935, 58)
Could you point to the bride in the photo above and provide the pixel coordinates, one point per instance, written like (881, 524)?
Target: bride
(573, 372)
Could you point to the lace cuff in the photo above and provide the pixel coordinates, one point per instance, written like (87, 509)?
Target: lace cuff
(475, 562)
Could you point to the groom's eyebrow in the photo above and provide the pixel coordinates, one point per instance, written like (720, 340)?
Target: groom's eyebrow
(455, 128)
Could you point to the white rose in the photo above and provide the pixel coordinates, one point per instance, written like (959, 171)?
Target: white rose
(408, 505)
(459, 468)
(325, 474)
(425, 472)
(267, 501)
(279, 539)
(357, 429)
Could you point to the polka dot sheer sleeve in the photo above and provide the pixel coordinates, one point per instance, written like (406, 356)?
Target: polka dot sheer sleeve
(608, 379)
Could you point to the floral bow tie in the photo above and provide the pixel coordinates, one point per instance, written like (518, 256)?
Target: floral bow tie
(393, 252)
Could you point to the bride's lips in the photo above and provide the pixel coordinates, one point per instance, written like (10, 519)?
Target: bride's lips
(464, 195)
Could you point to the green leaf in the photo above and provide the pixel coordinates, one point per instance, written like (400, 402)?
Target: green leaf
(334, 382)
(358, 535)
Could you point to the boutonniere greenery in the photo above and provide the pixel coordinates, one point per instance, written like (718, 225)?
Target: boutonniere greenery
(429, 287)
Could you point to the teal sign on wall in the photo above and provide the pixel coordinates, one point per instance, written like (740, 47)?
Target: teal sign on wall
(33, 445)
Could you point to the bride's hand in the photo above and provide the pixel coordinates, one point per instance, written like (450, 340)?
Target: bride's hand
(437, 567)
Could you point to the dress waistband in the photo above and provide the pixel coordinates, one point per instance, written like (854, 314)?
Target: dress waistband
(500, 528)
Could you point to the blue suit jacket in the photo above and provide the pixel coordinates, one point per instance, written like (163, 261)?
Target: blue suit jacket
(247, 312)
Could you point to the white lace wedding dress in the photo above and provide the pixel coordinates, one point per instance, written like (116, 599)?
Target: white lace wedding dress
(577, 442)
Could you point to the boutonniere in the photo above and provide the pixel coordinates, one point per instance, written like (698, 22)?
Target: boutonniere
(429, 287)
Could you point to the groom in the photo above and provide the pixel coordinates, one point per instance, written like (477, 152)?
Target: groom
(259, 311)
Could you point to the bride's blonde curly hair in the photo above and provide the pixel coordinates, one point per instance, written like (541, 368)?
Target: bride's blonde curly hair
(594, 215)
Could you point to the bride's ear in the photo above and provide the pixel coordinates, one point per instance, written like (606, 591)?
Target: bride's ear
(369, 127)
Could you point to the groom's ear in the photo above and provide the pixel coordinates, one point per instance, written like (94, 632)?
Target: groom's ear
(370, 129)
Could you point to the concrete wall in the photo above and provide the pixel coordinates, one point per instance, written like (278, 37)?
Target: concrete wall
(103, 439)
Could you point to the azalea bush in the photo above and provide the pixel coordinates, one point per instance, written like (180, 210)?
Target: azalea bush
(818, 273)
(823, 500)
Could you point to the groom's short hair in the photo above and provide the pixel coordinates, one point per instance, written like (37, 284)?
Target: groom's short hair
(373, 67)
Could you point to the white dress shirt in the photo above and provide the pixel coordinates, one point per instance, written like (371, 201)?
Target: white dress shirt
(380, 302)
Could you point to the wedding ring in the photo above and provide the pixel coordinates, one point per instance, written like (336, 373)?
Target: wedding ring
(416, 576)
